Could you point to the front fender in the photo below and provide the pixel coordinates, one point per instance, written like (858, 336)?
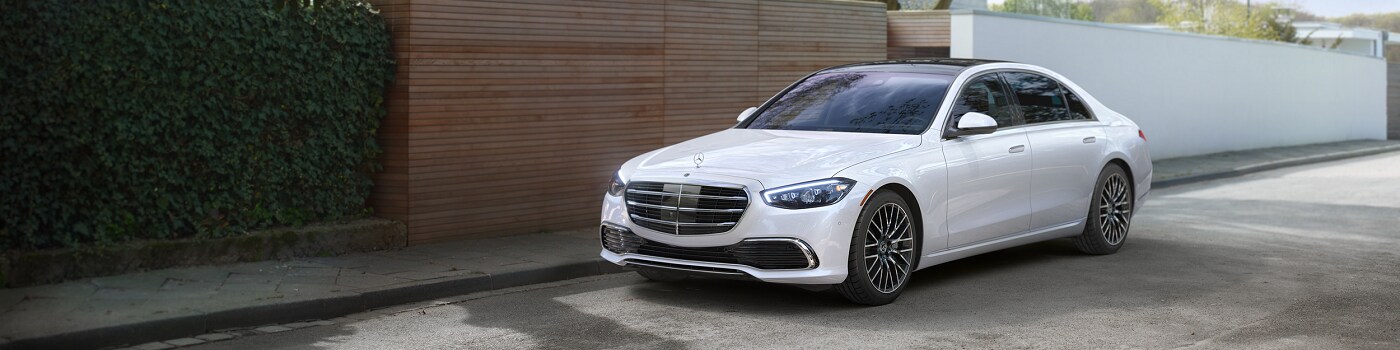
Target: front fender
(920, 173)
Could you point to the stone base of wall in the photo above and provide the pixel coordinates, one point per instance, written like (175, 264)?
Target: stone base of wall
(1392, 97)
(19, 269)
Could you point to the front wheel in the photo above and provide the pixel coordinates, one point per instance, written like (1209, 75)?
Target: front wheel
(883, 251)
(1110, 213)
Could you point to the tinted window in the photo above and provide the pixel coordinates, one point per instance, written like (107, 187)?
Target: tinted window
(986, 95)
(1039, 97)
(1077, 109)
(875, 102)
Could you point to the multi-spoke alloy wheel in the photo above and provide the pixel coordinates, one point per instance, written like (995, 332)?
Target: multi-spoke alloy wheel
(1111, 213)
(884, 251)
(1115, 209)
(889, 248)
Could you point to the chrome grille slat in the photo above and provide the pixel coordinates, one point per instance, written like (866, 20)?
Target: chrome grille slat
(685, 209)
(698, 210)
(731, 198)
(634, 216)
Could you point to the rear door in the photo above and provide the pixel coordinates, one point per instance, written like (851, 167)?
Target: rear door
(988, 175)
(1068, 145)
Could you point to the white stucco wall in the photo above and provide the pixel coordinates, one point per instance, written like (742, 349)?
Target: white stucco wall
(1194, 94)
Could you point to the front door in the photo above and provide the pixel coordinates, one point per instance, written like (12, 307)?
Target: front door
(988, 175)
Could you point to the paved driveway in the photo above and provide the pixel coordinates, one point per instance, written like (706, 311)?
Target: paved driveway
(1295, 258)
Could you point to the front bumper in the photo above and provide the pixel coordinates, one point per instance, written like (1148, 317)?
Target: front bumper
(825, 231)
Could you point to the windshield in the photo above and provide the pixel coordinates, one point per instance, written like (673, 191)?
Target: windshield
(874, 102)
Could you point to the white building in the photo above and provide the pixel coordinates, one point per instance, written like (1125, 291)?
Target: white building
(1359, 40)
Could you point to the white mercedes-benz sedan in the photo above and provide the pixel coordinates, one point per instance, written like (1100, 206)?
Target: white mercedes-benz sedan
(858, 175)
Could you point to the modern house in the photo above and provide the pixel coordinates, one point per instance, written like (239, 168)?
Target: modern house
(1359, 40)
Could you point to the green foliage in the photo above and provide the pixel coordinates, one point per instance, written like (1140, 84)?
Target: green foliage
(1384, 21)
(1049, 8)
(919, 5)
(1125, 11)
(891, 5)
(154, 119)
(1228, 18)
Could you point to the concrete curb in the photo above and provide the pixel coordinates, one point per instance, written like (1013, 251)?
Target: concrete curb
(1254, 168)
(308, 309)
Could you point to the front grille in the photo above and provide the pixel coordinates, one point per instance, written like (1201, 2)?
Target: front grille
(683, 209)
(762, 253)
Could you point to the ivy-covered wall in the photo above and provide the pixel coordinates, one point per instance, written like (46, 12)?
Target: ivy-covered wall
(125, 119)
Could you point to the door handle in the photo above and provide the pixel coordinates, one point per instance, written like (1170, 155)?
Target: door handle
(1017, 149)
(1090, 139)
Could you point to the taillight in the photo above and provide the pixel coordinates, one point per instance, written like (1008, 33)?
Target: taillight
(1142, 135)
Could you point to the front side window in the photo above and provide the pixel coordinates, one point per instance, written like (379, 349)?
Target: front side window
(1039, 96)
(985, 94)
(873, 102)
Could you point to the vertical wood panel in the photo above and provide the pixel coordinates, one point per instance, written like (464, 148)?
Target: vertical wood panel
(798, 37)
(919, 34)
(389, 198)
(711, 60)
(508, 117)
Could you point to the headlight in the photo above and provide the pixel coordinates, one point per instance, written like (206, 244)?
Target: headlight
(615, 188)
(809, 194)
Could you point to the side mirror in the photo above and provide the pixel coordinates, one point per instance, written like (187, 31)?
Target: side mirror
(974, 123)
(747, 113)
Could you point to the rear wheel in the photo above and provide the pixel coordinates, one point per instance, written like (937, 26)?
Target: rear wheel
(883, 251)
(1110, 214)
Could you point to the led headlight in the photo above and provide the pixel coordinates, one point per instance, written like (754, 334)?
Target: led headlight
(615, 188)
(809, 194)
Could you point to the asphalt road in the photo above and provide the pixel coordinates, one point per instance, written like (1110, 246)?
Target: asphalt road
(1295, 258)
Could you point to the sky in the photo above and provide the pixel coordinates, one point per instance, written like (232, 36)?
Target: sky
(1330, 8)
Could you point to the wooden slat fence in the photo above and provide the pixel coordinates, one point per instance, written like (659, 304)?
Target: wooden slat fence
(919, 34)
(509, 116)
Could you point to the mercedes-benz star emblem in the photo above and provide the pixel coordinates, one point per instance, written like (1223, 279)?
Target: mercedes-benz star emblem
(699, 158)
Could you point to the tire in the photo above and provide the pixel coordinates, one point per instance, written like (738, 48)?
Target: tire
(895, 251)
(661, 275)
(1110, 213)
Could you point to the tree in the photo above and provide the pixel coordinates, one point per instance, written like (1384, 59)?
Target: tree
(1049, 8)
(1228, 18)
(890, 5)
(896, 5)
(1125, 11)
(918, 5)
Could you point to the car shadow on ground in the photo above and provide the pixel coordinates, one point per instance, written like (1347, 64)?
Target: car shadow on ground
(1035, 281)
(548, 323)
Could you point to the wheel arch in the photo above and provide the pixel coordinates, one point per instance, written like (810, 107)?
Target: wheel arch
(1132, 180)
(908, 195)
(1122, 164)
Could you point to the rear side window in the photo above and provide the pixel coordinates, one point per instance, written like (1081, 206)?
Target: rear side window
(986, 95)
(1077, 109)
(1039, 96)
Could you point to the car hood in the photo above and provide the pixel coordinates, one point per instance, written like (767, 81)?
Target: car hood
(774, 157)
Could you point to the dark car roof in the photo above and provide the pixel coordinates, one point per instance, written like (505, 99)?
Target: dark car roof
(946, 66)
